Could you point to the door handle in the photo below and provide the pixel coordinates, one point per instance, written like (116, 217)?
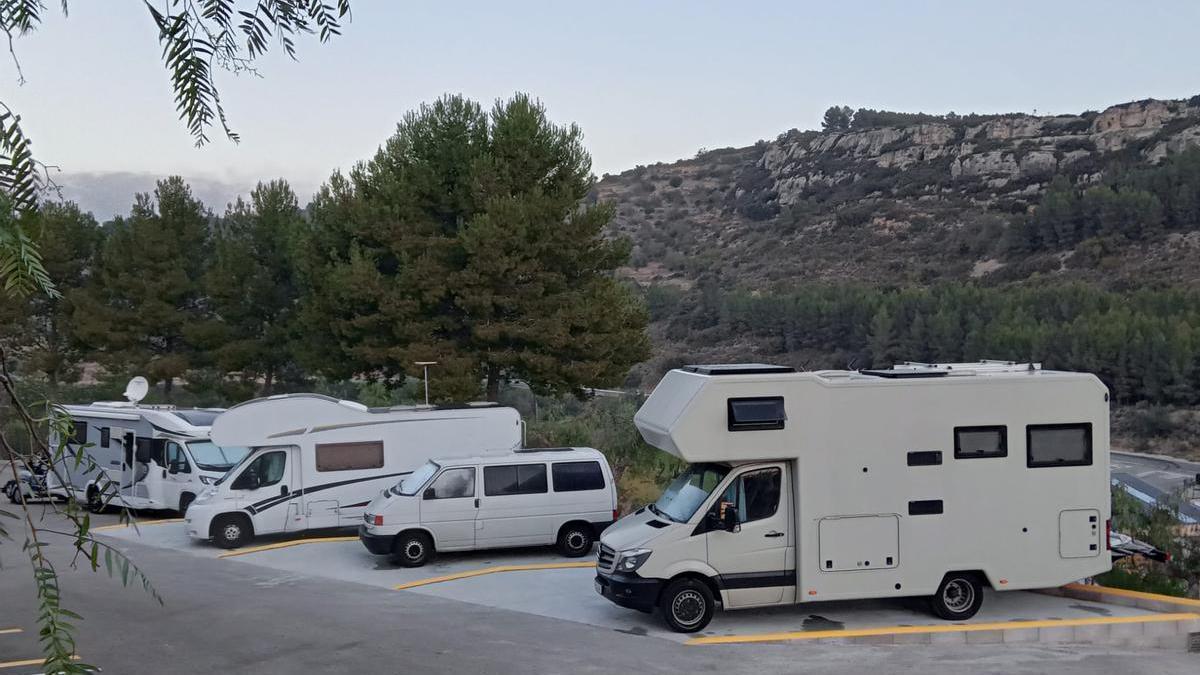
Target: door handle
(773, 533)
(283, 491)
(477, 502)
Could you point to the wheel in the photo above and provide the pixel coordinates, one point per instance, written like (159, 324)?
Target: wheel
(687, 605)
(958, 598)
(575, 540)
(95, 503)
(185, 500)
(231, 531)
(412, 549)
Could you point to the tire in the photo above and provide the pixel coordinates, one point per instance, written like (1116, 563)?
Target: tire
(412, 549)
(185, 500)
(687, 605)
(231, 531)
(958, 597)
(575, 540)
(95, 503)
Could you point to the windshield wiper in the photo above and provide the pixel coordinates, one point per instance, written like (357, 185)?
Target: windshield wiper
(660, 513)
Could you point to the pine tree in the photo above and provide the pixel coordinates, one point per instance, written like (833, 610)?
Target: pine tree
(467, 240)
(144, 307)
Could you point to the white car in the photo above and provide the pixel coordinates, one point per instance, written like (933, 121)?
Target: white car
(560, 496)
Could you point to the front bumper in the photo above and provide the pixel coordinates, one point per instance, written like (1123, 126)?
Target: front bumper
(377, 544)
(629, 590)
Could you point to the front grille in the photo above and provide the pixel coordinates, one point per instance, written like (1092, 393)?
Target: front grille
(606, 560)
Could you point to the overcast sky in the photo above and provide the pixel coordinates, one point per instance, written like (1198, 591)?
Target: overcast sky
(647, 81)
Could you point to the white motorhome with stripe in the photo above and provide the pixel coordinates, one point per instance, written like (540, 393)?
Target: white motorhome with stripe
(316, 461)
(929, 480)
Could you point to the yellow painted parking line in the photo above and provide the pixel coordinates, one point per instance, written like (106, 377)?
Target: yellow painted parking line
(140, 523)
(492, 570)
(9, 631)
(947, 628)
(284, 544)
(27, 662)
(1140, 595)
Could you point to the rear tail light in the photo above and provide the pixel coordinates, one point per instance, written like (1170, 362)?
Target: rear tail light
(1108, 534)
(616, 513)
(378, 520)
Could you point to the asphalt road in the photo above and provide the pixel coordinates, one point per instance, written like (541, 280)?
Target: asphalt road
(226, 616)
(1156, 476)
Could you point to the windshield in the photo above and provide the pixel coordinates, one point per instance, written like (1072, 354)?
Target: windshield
(211, 457)
(413, 481)
(688, 491)
(234, 468)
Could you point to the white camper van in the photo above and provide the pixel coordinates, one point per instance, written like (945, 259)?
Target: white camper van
(141, 456)
(922, 480)
(530, 497)
(315, 461)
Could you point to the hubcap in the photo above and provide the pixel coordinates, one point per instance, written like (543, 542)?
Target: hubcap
(576, 540)
(958, 596)
(232, 532)
(688, 607)
(414, 550)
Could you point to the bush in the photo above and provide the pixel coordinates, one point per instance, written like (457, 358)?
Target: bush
(676, 181)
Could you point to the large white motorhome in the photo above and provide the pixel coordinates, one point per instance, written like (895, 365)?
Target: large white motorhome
(316, 462)
(139, 456)
(920, 480)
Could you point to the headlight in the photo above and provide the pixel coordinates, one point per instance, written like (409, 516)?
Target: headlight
(206, 480)
(633, 559)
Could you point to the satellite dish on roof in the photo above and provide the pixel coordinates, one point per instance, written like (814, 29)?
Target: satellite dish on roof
(136, 390)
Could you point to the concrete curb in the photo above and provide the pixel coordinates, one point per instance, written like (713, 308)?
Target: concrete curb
(1167, 635)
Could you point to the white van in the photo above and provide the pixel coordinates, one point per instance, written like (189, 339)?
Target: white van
(930, 480)
(532, 497)
(315, 461)
(141, 456)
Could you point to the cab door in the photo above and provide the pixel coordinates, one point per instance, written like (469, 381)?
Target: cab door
(177, 475)
(264, 489)
(449, 508)
(752, 560)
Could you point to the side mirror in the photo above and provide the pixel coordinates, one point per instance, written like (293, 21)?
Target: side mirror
(246, 481)
(430, 493)
(174, 468)
(729, 517)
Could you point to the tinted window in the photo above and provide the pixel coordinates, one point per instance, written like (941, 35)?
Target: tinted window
(349, 456)
(576, 476)
(755, 494)
(1058, 445)
(104, 437)
(151, 450)
(453, 483)
(176, 458)
(749, 414)
(972, 442)
(79, 432)
(519, 479)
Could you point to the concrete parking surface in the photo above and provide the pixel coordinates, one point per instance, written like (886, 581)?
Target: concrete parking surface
(237, 615)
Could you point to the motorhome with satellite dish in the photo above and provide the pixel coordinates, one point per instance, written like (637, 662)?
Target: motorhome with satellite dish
(316, 462)
(528, 497)
(932, 480)
(138, 456)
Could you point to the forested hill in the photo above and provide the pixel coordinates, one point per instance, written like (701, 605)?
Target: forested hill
(1073, 240)
(893, 197)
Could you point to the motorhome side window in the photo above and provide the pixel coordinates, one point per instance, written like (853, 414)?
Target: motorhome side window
(755, 494)
(79, 432)
(452, 484)
(264, 471)
(1058, 445)
(756, 414)
(976, 442)
(349, 456)
(514, 479)
(577, 476)
(105, 436)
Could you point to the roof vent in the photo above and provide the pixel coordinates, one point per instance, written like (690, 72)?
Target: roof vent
(738, 369)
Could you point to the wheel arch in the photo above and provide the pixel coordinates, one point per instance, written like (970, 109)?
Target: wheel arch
(212, 523)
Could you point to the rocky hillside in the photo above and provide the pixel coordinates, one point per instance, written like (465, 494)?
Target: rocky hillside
(905, 198)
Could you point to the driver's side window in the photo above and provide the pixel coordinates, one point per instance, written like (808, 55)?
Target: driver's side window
(754, 494)
(453, 483)
(176, 460)
(264, 471)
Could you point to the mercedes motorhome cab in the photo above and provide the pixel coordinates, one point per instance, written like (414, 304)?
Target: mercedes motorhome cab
(316, 462)
(138, 456)
(533, 497)
(934, 480)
